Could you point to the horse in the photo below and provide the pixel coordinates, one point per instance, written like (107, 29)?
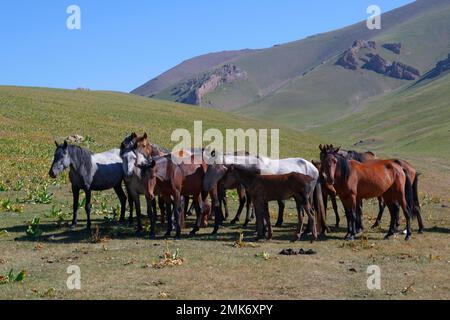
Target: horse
(355, 181)
(367, 156)
(328, 192)
(129, 144)
(265, 188)
(215, 175)
(267, 167)
(89, 172)
(174, 181)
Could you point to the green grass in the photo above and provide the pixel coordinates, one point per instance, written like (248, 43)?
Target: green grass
(113, 263)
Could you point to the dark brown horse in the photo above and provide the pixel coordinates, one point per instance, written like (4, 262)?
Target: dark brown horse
(355, 181)
(265, 188)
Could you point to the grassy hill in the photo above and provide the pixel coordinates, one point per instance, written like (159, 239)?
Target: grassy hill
(330, 91)
(300, 79)
(32, 118)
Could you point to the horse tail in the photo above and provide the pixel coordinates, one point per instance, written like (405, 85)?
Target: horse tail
(415, 187)
(319, 209)
(409, 194)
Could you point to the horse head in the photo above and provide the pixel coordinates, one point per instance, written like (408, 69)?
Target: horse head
(61, 159)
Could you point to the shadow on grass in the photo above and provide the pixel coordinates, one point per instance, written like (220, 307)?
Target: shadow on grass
(53, 233)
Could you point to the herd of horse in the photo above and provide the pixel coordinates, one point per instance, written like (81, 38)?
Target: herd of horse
(150, 170)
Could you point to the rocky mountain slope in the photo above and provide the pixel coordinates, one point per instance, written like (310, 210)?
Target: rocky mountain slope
(312, 81)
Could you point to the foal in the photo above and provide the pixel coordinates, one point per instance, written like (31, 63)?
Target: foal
(265, 188)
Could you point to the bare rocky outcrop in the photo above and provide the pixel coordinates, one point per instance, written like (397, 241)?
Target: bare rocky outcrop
(441, 67)
(349, 58)
(395, 69)
(193, 90)
(394, 47)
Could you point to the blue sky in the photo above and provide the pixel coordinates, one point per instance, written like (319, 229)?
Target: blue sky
(123, 44)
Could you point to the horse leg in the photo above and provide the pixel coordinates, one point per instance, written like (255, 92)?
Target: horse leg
(88, 207)
(259, 208)
(162, 209)
(281, 207)
(242, 201)
(359, 218)
(335, 209)
(299, 230)
(186, 206)
(269, 225)
(123, 201)
(218, 214)
(168, 207)
(393, 210)
(381, 207)
(151, 216)
(76, 199)
(137, 201)
(407, 213)
(177, 213)
(250, 211)
(223, 200)
(198, 217)
(131, 202)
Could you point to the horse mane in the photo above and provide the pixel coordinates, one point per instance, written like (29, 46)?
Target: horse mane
(354, 155)
(344, 166)
(81, 158)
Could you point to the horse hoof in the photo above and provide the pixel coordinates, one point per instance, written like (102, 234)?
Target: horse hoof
(88, 228)
(350, 238)
(420, 231)
(72, 226)
(387, 237)
(152, 236)
(214, 232)
(279, 224)
(178, 237)
(408, 237)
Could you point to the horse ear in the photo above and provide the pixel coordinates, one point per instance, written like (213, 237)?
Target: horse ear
(320, 147)
(65, 144)
(145, 135)
(337, 150)
(56, 144)
(133, 135)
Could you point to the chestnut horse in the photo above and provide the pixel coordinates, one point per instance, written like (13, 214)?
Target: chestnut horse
(265, 188)
(355, 181)
(350, 155)
(174, 181)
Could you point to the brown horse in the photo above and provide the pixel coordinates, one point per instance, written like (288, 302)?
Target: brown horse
(277, 187)
(327, 191)
(175, 181)
(355, 181)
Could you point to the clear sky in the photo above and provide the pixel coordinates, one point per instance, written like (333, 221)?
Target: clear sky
(123, 44)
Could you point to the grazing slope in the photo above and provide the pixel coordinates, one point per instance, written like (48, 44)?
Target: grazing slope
(32, 118)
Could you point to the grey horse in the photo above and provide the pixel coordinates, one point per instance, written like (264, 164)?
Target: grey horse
(89, 172)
